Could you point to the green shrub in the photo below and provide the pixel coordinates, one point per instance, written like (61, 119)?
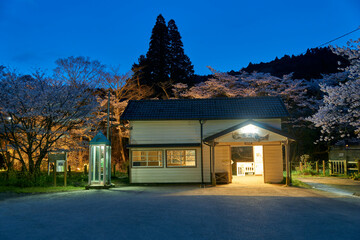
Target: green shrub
(354, 176)
(308, 169)
(23, 180)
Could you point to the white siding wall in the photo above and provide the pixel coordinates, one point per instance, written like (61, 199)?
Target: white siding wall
(181, 131)
(174, 174)
(155, 132)
(167, 132)
(273, 164)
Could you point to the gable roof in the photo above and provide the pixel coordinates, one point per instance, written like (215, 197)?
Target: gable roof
(100, 139)
(205, 109)
(243, 124)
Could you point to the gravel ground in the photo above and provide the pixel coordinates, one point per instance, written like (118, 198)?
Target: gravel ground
(182, 212)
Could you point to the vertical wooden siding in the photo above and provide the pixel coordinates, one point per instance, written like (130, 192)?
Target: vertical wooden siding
(222, 160)
(273, 164)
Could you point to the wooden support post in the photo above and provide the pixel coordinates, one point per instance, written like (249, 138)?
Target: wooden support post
(324, 168)
(339, 168)
(317, 166)
(287, 157)
(65, 168)
(345, 167)
(330, 168)
(301, 166)
(358, 166)
(54, 171)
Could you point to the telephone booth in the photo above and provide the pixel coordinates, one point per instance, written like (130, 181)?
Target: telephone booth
(100, 161)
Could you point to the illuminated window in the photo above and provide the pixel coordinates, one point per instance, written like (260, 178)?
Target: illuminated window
(147, 159)
(181, 158)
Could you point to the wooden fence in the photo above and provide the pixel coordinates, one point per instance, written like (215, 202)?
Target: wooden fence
(343, 166)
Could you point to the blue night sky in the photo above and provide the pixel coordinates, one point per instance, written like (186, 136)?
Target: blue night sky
(226, 35)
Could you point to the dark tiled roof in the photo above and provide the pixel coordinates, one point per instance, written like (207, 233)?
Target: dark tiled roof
(216, 108)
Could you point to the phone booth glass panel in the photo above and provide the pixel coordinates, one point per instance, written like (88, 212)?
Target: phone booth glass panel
(100, 161)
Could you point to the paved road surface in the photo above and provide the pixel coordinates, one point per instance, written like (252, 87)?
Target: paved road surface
(182, 212)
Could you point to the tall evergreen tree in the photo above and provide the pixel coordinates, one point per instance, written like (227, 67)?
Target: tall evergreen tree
(165, 62)
(158, 53)
(142, 71)
(181, 69)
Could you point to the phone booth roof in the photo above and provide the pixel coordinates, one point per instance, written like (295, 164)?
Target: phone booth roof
(100, 139)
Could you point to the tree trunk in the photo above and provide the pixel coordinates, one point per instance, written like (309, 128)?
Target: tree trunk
(9, 161)
(122, 150)
(80, 153)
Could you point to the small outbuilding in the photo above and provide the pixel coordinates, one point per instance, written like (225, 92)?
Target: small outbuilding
(344, 157)
(206, 140)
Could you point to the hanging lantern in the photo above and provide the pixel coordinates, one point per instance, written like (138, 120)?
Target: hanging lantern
(100, 161)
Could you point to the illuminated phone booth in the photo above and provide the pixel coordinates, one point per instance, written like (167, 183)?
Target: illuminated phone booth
(100, 161)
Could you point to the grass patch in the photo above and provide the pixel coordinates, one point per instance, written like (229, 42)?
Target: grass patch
(15, 189)
(295, 182)
(300, 184)
(17, 182)
(309, 173)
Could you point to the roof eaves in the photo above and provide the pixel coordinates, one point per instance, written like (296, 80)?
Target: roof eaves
(243, 124)
(163, 145)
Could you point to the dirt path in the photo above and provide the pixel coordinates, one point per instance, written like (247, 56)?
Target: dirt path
(343, 186)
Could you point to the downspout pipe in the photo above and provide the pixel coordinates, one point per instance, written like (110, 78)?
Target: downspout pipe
(212, 162)
(211, 157)
(201, 146)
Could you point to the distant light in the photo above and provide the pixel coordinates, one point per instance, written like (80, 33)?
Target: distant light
(249, 129)
(9, 118)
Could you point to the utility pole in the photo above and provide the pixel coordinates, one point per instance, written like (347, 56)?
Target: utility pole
(108, 117)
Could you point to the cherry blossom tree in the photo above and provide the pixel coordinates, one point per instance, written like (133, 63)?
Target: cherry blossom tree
(297, 94)
(37, 111)
(80, 70)
(77, 71)
(293, 91)
(122, 88)
(339, 113)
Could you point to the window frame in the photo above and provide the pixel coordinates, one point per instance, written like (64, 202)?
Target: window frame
(166, 158)
(147, 158)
